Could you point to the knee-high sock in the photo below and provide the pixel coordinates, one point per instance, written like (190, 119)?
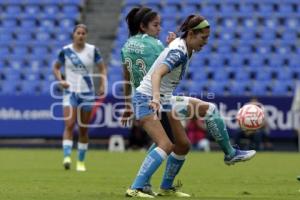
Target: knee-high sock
(217, 129)
(67, 147)
(82, 149)
(153, 146)
(151, 163)
(174, 164)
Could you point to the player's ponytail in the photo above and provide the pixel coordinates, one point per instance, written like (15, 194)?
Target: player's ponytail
(130, 19)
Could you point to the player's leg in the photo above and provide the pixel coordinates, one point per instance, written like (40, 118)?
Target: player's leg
(217, 129)
(154, 158)
(84, 116)
(70, 118)
(70, 115)
(175, 160)
(166, 125)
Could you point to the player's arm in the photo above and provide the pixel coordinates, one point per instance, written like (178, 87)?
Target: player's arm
(156, 77)
(173, 60)
(102, 71)
(103, 77)
(57, 73)
(127, 85)
(126, 117)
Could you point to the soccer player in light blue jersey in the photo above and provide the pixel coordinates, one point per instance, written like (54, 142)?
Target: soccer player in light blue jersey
(138, 54)
(79, 60)
(156, 93)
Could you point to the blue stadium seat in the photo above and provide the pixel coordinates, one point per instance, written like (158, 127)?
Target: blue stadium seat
(237, 88)
(217, 87)
(70, 9)
(284, 75)
(28, 23)
(8, 87)
(281, 88)
(24, 37)
(11, 74)
(263, 75)
(8, 23)
(4, 51)
(31, 11)
(259, 88)
(241, 75)
(13, 10)
(72, 2)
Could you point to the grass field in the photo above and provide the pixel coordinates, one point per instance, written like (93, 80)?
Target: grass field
(27, 174)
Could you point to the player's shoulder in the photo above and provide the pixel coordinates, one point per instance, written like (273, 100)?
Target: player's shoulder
(149, 39)
(178, 44)
(90, 46)
(67, 46)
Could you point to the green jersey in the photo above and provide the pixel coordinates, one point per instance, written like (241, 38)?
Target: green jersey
(138, 54)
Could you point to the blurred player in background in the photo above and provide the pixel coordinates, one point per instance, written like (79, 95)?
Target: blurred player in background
(79, 60)
(155, 92)
(138, 54)
(296, 111)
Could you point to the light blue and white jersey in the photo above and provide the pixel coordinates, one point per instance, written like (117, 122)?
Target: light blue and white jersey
(79, 66)
(175, 56)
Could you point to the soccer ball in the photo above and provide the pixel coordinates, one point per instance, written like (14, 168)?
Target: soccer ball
(250, 117)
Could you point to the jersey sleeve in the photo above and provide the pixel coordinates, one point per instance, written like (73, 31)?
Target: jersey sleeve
(61, 57)
(174, 58)
(97, 56)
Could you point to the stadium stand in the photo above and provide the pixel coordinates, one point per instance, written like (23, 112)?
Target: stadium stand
(252, 49)
(31, 33)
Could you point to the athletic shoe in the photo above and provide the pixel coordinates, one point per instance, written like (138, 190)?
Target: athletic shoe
(148, 190)
(173, 191)
(239, 156)
(137, 193)
(298, 178)
(80, 166)
(67, 162)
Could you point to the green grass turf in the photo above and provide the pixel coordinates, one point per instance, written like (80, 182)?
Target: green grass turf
(27, 174)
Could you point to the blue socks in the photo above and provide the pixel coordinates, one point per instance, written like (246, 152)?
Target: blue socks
(174, 164)
(151, 163)
(67, 147)
(82, 148)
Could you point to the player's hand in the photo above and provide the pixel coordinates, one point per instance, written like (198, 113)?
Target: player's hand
(155, 104)
(64, 84)
(127, 116)
(101, 90)
(171, 36)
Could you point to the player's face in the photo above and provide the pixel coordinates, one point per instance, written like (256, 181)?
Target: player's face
(200, 39)
(153, 28)
(79, 36)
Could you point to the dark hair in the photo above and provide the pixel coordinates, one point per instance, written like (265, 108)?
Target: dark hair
(189, 23)
(80, 26)
(138, 16)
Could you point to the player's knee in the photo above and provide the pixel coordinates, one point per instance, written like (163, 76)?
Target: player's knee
(183, 147)
(69, 126)
(212, 108)
(166, 146)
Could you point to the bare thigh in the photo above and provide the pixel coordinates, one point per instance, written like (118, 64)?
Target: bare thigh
(197, 108)
(70, 115)
(157, 133)
(181, 141)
